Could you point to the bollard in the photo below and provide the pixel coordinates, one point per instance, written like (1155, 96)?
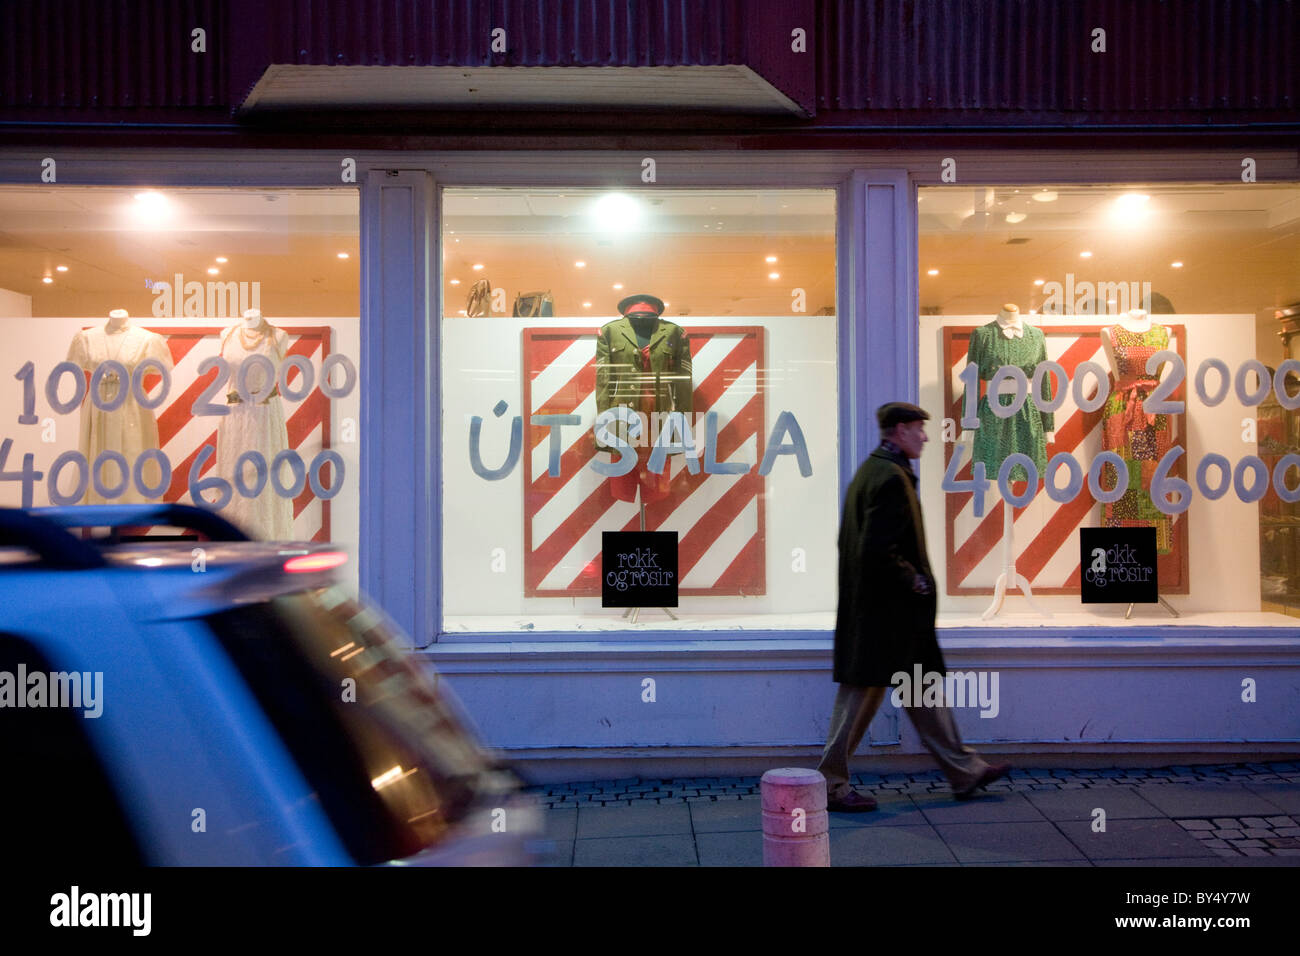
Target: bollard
(796, 829)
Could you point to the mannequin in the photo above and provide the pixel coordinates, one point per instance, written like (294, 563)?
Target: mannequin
(1141, 439)
(1009, 340)
(254, 427)
(129, 429)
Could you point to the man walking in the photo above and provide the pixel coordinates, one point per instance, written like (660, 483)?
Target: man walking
(885, 620)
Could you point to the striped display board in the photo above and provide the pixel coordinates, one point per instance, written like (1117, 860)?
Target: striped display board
(182, 436)
(719, 518)
(1046, 539)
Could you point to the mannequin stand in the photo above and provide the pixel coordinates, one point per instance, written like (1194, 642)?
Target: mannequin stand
(1168, 607)
(635, 612)
(1009, 576)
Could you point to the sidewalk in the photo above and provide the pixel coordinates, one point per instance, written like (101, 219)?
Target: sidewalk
(1220, 815)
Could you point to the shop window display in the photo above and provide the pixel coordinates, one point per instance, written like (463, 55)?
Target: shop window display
(135, 380)
(1072, 395)
(677, 374)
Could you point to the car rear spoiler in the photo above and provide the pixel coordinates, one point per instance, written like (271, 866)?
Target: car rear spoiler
(45, 531)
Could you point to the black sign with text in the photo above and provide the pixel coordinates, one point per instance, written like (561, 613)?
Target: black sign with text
(1119, 565)
(638, 569)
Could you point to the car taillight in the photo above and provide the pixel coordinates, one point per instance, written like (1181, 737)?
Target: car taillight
(315, 562)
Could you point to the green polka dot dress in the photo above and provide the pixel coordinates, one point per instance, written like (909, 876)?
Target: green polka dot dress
(1025, 431)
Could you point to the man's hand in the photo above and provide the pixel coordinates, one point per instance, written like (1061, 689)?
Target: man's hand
(921, 584)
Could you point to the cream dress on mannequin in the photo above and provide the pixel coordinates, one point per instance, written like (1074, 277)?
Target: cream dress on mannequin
(129, 429)
(259, 427)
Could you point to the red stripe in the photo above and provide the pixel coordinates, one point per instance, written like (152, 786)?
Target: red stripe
(1054, 534)
(307, 418)
(740, 572)
(180, 483)
(565, 401)
(706, 531)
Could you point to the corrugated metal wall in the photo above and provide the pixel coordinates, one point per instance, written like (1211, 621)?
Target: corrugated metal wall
(111, 54)
(1036, 55)
(1201, 59)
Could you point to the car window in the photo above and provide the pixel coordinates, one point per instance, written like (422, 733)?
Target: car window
(57, 802)
(389, 760)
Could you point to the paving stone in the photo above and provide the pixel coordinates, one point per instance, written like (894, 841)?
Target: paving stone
(1137, 840)
(1224, 822)
(887, 846)
(665, 850)
(1202, 834)
(1216, 844)
(1290, 842)
(736, 848)
(1255, 822)
(1228, 834)
(994, 842)
(1244, 843)
(1228, 852)
(643, 820)
(1286, 851)
(1196, 824)
(1287, 831)
(1046, 786)
(1280, 821)
(1257, 833)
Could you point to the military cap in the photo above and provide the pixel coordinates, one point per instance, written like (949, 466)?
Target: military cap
(899, 413)
(656, 304)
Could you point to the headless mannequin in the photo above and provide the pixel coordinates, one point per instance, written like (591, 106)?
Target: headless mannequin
(1137, 321)
(118, 320)
(1010, 321)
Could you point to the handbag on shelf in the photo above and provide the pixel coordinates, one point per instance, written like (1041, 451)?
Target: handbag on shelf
(480, 297)
(534, 304)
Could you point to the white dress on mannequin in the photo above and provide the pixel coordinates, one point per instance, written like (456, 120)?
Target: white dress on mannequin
(129, 429)
(259, 427)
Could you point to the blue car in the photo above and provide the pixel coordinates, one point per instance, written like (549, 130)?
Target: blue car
(172, 693)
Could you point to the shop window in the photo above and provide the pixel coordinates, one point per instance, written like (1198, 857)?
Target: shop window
(1139, 341)
(184, 345)
(723, 384)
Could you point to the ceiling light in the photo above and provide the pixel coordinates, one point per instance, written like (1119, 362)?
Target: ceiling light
(774, 275)
(477, 266)
(616, 212)
(1085, 255)
(618, 285)
(151, 206)
(47, 280)
(1045, 195)
(455, 282)
(1176, 265)
(1014, 217)
(342, 255)
(580, 264)
(213, 270)
(60, 268)
(586, 305)
(1039, 281)
(222, 259)
(932, 272)
(770, 259)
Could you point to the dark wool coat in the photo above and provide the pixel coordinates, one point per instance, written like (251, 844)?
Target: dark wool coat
(882, 626)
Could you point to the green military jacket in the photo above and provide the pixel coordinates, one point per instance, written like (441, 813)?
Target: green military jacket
(620, 379)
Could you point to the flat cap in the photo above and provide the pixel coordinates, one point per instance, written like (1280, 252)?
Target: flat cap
(899, 413)
(655, 303)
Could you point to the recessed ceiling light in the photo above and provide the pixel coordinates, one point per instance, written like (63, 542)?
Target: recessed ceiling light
(667, 303)
(222, 259)
(213, 270)
(770, 259)
(586, 305)
(1175, 265)
(1045, 195)
(455, 282)
(1014, 217)
(47, 280)
(580, 264)
(477, 266)
(618, 285)
(60, 268)
(774, 275)
(342, 255)
(1039, 281)
(1085, 254)
(932, 272)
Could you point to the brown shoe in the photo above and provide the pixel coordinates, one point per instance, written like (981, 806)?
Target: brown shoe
(851, 802)
(995, 771)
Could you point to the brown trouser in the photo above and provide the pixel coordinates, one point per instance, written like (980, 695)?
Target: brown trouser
(853, 710)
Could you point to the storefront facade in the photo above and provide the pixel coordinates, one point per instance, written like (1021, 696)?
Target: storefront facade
(446, 433)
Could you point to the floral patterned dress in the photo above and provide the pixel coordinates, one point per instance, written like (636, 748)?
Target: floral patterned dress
(1141, 439)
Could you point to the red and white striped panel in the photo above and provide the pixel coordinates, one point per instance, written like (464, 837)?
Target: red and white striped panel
(181, 435)
(719, 518)
(1046, 539)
